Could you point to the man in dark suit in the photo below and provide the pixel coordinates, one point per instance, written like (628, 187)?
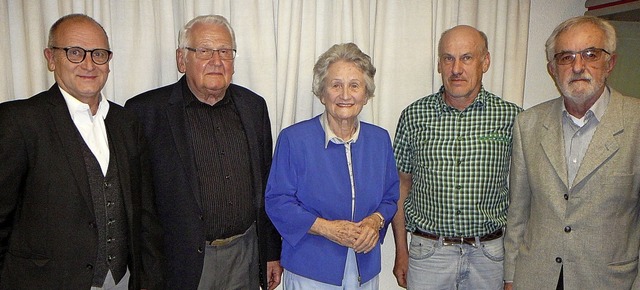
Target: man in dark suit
(211, 147)
(76, 204)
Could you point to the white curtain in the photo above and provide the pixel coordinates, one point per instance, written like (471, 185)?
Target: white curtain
(278, 43)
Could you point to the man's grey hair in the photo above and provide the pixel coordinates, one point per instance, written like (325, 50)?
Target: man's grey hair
(185, 34)
(605, 26)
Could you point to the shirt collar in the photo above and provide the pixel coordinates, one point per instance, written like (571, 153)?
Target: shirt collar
(76, 107)
(478, 102)
(191, 100)
(596, 110)
(329, 136)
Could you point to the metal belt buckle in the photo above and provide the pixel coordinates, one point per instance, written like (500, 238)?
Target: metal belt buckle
(452, 243)
(472, 244)
(461, 241)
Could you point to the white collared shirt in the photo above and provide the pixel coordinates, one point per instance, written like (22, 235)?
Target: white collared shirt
(91, 127)
(578, 133)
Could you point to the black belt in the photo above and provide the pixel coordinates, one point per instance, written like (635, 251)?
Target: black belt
(449, 241)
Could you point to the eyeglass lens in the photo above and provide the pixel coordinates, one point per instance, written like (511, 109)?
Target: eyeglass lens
(207, 53)
(77, 54)
(588, 55)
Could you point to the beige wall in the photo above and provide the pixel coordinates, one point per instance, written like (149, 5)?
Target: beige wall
(626, 74)
(545, 16)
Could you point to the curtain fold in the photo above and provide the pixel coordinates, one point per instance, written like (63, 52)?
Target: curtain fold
(278, 43)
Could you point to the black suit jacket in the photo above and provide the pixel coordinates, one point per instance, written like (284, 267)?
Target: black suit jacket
(48, 237)
(176, 184)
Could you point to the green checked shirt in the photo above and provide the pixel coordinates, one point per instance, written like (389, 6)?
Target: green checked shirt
(459, 162)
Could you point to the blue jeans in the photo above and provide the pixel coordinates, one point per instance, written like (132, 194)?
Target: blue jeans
(433, 265)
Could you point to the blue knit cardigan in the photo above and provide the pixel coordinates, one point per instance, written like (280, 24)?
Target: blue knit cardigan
(308, 181)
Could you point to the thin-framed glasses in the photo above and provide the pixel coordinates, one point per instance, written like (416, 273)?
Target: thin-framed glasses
(77, 54)
(207, 53)
(588, 55)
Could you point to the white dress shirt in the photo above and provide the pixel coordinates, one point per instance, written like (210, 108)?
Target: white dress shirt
(91, 127)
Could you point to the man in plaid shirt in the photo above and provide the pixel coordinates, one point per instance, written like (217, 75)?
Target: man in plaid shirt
(452, 150)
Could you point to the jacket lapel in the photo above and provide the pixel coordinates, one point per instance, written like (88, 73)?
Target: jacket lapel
(246, 117)
(69, 138)
(604, 142)
(552, 138)
(176, 116)
(115, 132)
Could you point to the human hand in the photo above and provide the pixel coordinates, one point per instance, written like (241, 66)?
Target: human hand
(369, 236)
(400, 268)
(342, 232)
(508, 285)
(274, 274)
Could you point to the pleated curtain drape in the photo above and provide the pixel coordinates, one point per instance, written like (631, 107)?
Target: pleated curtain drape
(278, 43)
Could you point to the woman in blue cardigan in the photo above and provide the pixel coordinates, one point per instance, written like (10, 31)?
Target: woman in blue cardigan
(333, 185)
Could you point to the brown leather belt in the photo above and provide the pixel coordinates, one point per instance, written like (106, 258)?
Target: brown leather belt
(450, 241)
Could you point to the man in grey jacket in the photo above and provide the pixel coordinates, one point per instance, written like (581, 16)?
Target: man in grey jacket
(574, 214)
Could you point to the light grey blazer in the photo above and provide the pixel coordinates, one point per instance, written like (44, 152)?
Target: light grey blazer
(592, 227)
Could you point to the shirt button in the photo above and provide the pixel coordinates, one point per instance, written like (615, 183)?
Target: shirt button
(558, 260)
(566, 196)
(107, 185)
(227, 176)
(200, 250)
(89, 267)
(567, 229)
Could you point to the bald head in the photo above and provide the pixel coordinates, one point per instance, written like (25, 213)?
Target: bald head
(467, 33)
(69, 20)
(463, 58)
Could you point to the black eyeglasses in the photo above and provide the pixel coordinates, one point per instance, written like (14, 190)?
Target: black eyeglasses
(77, 54)
(207, 53)
(588, 55)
